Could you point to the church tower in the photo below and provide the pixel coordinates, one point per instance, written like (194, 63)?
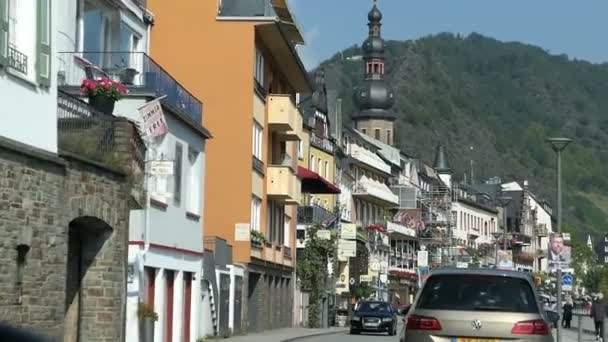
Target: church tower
(375, 97)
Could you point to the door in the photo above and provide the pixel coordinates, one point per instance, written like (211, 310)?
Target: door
(224, 303)
(252, 303)
(238, 300)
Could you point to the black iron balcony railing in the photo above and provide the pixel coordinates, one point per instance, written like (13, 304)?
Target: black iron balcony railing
(138, 71)
(17, 60)
(99, 137)
(322, 143)
(313, 214)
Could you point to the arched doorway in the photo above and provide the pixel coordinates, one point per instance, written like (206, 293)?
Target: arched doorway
(86, 237)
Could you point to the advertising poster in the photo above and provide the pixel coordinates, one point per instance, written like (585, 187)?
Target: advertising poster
(505, 260)
(559, 255)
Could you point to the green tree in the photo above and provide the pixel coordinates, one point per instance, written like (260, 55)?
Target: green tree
(312, 269)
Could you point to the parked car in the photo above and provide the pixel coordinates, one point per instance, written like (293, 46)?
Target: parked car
(477, 305)
(374, 316)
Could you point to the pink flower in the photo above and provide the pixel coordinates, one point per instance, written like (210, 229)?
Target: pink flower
(106, 86)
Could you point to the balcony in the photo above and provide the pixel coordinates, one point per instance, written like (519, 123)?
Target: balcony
(283, 117)
(282, 184)
(541, 230)
(374, 191)
(314, 214)
(99, 137)
(322, 143)
(396, 228)
(138, 71)
(369, 158)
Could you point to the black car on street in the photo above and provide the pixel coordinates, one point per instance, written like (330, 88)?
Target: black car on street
(374, 316)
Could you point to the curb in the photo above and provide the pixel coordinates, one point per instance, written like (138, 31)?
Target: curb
(299, 338)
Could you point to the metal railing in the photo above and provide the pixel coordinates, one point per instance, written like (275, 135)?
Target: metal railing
(136, 70)
(322, 143)
(84, 131)
(313, 214)
(89, 133)
(17, 60)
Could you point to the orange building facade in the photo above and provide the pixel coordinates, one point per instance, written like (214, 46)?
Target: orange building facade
(241, 61)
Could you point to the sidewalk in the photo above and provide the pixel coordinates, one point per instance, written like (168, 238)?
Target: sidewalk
(570, 335)
(588, 326)
(283, 335)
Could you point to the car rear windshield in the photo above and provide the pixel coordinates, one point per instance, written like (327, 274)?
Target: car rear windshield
(477, 293)
(374, 307)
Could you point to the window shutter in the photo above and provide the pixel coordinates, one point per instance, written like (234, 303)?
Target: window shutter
(43, 43)
(3, 31)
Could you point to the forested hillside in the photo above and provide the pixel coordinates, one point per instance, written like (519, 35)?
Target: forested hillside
(495, 103)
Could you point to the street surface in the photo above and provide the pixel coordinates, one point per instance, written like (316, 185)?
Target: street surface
(346, 337)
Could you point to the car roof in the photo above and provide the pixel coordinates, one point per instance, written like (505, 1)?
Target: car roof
(481, 271)
(373, 302)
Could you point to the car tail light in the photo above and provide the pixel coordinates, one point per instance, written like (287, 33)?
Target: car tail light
(534, 327)
(415, 322)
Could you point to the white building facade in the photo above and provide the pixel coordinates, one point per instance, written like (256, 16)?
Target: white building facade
(103, 38)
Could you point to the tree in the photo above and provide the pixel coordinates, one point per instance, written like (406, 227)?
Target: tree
(312, 269)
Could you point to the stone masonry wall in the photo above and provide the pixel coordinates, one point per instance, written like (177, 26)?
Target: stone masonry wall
(40, 196)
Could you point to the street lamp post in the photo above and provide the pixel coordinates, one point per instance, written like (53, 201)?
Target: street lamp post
(558, 145)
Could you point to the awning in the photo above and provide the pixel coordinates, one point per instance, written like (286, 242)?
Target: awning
(313, 183)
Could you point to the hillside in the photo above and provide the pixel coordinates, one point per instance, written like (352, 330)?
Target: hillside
(495, 103)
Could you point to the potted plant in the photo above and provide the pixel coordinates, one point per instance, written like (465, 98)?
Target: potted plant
(103, 93)
(147, 317)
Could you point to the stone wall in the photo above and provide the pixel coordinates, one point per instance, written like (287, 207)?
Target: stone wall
(54, 212)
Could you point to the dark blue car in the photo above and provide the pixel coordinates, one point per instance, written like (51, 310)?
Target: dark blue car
(374, 316)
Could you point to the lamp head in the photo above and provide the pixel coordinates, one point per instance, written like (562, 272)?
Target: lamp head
(558, 144)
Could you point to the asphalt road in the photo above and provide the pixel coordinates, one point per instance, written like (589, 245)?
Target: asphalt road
(364, 337)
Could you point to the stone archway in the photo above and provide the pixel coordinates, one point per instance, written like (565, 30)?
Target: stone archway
(86, 238)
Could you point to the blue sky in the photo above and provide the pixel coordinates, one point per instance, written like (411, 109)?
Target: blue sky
(578, 28)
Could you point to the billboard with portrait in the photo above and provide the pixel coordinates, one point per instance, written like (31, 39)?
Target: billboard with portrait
(558, 254)
(505, 260)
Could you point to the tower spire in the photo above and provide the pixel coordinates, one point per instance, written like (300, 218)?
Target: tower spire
(374, 97)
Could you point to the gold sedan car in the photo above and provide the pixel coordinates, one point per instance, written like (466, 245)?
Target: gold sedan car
(476, 305)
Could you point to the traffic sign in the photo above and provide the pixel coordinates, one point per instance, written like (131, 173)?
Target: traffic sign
(567, 282)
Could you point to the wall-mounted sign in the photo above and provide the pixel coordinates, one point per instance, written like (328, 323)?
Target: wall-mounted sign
(242, 232)
(348, 231)
(161, 167)
(324, 234)
(365, 278)
(423, 258)
(347, 249)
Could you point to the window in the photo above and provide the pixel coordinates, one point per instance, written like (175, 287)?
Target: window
(275, 221)
(256, 213)
(194, 187)
(388, 137)
(177, 174)
(25, 39)
(312, 163)
(256, 145)
(301, 150)
(259, 67)
(286, 235)
(363, 130)
(320, 166)
(476, 292)
(326, 169)
(377, 133)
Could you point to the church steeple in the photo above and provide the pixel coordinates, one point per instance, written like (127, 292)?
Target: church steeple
(374, 96)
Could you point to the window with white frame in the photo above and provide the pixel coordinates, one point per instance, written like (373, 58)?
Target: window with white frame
(301, 150)
(286, 233)
(194, 183)
(312, 163)
(25, 39)
(258, 134)
(259, 67)
(326, 169)
(320, 166)
(256, 213)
